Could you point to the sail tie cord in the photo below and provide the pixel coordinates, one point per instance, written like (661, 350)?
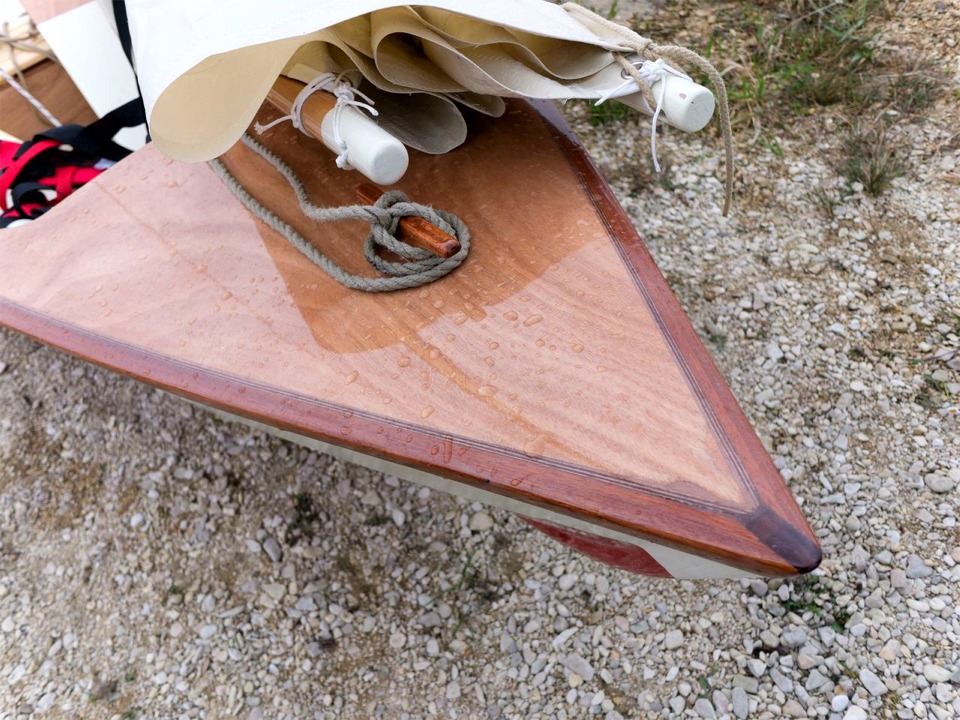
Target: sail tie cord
(677, 56)
(346, 94)
(420, 267)
(651, 72)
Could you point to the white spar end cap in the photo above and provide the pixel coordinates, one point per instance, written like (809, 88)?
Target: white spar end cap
(371, 150)
(687, 105)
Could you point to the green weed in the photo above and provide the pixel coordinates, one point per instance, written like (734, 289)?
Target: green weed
(608, 112)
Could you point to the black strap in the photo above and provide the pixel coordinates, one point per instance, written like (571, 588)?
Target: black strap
(96, 140)
(22, 190)
(126, 42)
(123, 29)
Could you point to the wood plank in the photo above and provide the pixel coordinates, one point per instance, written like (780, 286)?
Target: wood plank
(17, 59)
(52, 87)
(554, 367)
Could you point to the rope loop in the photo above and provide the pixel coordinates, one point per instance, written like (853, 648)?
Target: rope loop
(418, 266)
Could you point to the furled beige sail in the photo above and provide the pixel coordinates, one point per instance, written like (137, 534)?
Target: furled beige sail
(205, 67)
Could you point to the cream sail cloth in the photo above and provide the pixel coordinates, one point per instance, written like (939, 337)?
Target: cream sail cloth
(206, 66)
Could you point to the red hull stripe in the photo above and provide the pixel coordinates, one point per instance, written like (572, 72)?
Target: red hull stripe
(612, 552)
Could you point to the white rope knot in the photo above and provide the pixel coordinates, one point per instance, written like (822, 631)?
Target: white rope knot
(652, 71)
(345, 93)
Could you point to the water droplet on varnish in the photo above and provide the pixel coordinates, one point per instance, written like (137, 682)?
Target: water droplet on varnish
(404, 361)
(486, 390)
(352, 378)
(438, 303)
(533, 320)
(345, 430)
(510, 315)
(427, 412)
(387, 401)
(434, 353)
(494, 345)
(435, 449)
(227, 295)
(580, 293)
(460, 320)
(577, 348)
(540, 343)
(516, 482)
(425, 293)
(489, 361)
(173, 184)
(119, 188)
(451, 337)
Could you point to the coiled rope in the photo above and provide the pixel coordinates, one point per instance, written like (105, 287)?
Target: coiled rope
(421, 266)
(681, 57)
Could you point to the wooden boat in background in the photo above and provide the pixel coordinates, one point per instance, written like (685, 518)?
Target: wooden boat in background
(553, 374)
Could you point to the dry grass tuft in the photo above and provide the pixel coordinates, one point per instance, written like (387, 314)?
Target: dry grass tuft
(868, 158)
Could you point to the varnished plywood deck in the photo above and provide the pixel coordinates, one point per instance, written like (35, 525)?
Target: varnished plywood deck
(554, 366)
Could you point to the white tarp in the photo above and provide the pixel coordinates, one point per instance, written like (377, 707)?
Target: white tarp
(205, 66)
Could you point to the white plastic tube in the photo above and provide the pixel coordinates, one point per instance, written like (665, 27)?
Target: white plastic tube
(371, 150)
(687, 105)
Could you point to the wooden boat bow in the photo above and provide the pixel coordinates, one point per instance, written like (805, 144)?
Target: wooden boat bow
(554, 373)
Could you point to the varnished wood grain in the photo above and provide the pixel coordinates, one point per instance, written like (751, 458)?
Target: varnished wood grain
(554, 366)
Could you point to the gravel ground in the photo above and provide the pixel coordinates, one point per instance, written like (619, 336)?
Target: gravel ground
(156, 562)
